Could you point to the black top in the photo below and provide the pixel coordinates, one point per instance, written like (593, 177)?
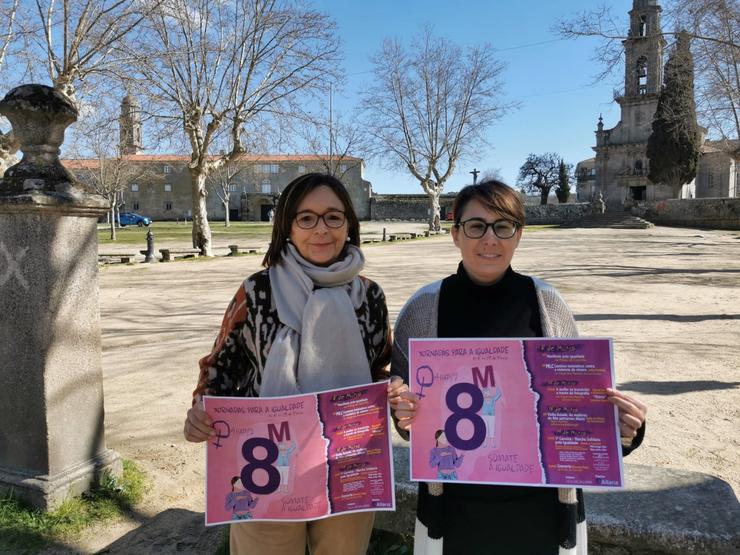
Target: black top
(495, 519)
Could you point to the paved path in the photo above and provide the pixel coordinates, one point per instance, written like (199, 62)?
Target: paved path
(670, 298)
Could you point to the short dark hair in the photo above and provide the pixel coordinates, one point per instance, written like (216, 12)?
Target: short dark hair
(287, 207)
(494, 195)
(234, 480)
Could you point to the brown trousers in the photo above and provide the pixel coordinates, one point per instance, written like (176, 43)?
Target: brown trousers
(347, 534)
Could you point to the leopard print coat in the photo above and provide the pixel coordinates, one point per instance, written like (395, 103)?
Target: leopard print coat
(234, 366)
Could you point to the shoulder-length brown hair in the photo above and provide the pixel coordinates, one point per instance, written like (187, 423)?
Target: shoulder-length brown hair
(287, 207)
(495, 196)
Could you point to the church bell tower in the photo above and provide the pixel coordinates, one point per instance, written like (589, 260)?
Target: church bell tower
(130, 126)
(621, 162)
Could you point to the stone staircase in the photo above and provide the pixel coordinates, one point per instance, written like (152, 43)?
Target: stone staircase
(615, 220)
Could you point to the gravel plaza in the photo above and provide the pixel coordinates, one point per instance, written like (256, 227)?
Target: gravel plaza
(669, 297)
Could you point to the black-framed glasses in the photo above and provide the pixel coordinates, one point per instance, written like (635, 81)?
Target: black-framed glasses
(475, 228)
(309, 220)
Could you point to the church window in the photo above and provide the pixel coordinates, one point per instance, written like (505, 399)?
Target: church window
(136, 206)
(168, 206)
(642, 75)
(638, 167)
(266, 186)
(167, 188)
(643, 26)
(168, 169)
(134, 188)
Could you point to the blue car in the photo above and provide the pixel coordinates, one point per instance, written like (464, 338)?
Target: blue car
(131, 218)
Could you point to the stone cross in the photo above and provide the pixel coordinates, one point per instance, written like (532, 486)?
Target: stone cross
(475, 173)
(52, 441)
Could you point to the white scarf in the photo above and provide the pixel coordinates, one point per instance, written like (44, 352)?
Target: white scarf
(319, 346)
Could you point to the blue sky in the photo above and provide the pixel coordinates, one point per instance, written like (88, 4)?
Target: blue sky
(551, 78)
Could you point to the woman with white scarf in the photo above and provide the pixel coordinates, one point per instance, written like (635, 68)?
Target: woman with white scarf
(308, 322)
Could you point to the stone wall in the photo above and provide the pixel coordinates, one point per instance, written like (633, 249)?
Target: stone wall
(711, 213)
(406, 207)
(416, 207)
(556, 214)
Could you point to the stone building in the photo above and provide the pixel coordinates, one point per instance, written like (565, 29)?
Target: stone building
(253, 182)
(620, 168)
(164, 190)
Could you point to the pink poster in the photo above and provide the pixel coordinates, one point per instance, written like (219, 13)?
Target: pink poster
(515, 411)
(301, 457)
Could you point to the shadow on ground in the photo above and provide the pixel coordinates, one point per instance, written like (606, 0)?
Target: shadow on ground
(171, 531)
(675, 388)
(690, 318)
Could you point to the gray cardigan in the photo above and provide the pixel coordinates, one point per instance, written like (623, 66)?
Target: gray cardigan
(418, 319)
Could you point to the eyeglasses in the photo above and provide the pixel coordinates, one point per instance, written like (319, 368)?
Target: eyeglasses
(475, 228)
(309, 220)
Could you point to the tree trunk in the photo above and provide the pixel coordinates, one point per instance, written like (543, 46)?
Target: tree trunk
(201, 228)
(226, 213)
(544, 193)
(434, 224)
(112, 219)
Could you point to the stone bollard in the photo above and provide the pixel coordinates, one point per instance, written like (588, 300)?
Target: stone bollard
(384, 235)
(149, 256)
(52, 441)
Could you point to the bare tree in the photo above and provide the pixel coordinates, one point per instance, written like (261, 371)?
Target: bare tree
(101, 167)
(68, 42)
(222, 181)
(713, 26)
(429, 107)
(716, 63)
(336, 143)
(493, 173)
(212, 67)
(8, 13)
(540, 173)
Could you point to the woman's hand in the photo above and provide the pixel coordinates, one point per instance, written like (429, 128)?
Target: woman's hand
(403, 403)
(198, 425)
(631, 412)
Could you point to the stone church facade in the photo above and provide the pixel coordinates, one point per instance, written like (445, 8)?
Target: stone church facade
(620, 167)
(164, 192)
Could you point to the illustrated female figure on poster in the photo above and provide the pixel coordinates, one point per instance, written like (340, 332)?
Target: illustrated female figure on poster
(445, 458)
(239, 501)
(285, 449)
(491, 396)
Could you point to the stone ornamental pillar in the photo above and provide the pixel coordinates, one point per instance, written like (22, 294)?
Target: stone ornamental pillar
(51, 414)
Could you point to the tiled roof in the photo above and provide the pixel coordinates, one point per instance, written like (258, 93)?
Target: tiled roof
(184, 158)
(721, 146)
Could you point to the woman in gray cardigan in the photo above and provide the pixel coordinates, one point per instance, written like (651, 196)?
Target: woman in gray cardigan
(486, 298)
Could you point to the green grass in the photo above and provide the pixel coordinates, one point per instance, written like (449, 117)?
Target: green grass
(238, 232)
(382, 542)
(25, 530)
